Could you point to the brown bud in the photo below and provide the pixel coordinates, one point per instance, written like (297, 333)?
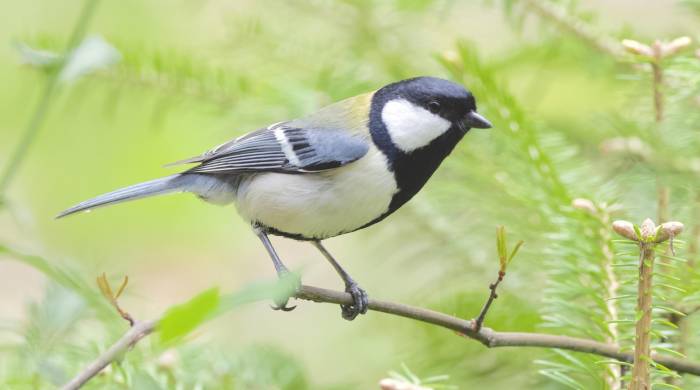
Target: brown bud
(584, 204)
(626, 145)
(168, 359)
(451, 56)
(107, 371)
(648, 229)
(675, 46)
(669, 230)
(625, 229)
(638, 48)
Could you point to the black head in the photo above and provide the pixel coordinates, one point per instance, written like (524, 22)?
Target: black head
(447, 99)
(416, 123)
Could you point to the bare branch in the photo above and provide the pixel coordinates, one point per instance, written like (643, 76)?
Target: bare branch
(488, 337)
(138, 331)
(491, 338)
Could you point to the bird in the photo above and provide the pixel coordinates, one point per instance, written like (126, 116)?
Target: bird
(343, 168)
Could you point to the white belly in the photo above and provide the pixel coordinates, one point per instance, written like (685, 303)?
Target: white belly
(323, 204)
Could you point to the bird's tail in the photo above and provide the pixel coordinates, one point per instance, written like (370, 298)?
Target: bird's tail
(165, 185)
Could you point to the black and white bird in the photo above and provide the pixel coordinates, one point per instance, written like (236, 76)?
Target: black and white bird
(341, 169)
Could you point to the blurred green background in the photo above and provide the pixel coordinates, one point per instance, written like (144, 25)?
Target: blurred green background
(193, 74)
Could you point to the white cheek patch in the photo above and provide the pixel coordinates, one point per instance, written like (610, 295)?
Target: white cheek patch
(411, 127)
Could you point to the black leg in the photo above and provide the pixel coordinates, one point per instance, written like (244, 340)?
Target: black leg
(359, 296)
(283, 272)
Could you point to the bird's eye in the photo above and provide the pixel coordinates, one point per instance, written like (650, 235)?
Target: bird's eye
(434, 107)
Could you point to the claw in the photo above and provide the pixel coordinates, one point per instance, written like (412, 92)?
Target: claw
(290, 284)
(360, 302)
(283, 307)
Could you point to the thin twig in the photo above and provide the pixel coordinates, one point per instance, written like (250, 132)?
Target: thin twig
(113, 298)
(482, 315)
(130, 338)
(39, 114)
(488, 337)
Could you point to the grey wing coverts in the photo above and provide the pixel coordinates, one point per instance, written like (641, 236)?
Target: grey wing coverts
(283, 148)
(279, 148)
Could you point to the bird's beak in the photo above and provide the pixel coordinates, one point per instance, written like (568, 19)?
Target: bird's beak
(476, 121)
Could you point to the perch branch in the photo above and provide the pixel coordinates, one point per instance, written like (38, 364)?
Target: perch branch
(491, 338)
(486, 336)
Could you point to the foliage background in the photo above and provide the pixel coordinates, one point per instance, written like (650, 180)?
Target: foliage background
(194, 74)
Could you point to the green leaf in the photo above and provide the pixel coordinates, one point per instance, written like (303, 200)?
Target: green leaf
(624, 265)
(143, 380)
(670, 286)
(515, 250)
(626, 296)
(667, 385)
(181, 319)
(562, 378)
(501, 245)
(669, 309)
(673, 258)
(621, 321)
(670, 351)
(64, 276)
(664, 322)
(278, 289)
(614, 362)
(637, 232)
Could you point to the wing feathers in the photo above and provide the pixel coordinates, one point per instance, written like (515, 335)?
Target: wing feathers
(282, 149)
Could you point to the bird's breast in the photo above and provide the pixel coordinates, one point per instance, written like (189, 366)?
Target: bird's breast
(413, 170)
(323, 204)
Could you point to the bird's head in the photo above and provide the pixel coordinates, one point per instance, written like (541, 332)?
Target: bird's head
(417, 111)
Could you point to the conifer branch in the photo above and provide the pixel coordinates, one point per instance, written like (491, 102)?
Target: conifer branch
(647, 236)
(40, 113)
(641, 377)
(574, 27)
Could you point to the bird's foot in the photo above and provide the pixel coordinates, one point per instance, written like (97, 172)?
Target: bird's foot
(288, 285)
(282, 306)
(360, 302)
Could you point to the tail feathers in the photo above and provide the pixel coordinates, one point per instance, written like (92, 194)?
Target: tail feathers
(165, 185)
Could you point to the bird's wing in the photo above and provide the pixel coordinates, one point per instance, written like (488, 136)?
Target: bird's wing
(283, 147)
